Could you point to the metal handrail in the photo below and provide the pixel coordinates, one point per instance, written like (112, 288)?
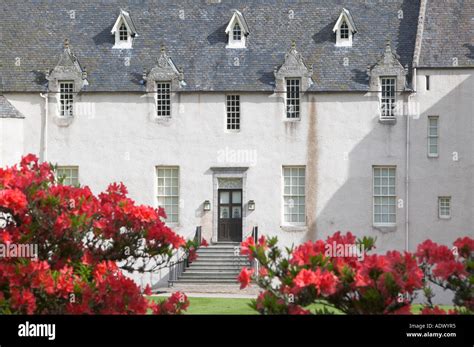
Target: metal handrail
(255, 264)
(178, 267)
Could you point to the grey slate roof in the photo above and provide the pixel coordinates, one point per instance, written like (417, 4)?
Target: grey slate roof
(7, 110)
(34, 31)
(448, 33)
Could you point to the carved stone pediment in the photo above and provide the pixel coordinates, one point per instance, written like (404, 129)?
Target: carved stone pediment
(67, 68)
(293, 66)
(387, 65)
(164, 70)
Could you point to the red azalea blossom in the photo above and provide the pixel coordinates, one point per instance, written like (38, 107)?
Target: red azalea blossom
(436, 310)
(81, 238)
(245, 277)
(297, 310)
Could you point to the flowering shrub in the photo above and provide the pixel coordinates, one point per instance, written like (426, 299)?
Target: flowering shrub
(83, 241)
(351, 282)
(451, 269)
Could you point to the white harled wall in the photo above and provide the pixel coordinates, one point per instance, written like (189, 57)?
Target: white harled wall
(339, 138)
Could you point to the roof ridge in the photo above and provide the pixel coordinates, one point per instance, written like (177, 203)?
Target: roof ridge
(419, 32)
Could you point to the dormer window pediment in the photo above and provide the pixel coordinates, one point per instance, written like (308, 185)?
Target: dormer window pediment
(124, 31)
(294, 67)
(164, 70)
(237, 31)
(345, 29)
(67, 68)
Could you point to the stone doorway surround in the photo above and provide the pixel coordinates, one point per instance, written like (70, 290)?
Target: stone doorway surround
(228, 178)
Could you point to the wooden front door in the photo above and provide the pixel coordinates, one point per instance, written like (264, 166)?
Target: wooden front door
(230, 215)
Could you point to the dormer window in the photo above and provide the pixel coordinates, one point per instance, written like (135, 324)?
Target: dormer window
(237, 31)
(124, 31)
(344, 29)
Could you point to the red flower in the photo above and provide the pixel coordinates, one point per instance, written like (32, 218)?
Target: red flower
(436, 310)
(245, 277)
(324, 282)
(247, 247)
(465, 246)
(262, 271)
(14, 200)
(404, 310)
(446, 269)
(297, 310)
(204, 243)
(305, 278)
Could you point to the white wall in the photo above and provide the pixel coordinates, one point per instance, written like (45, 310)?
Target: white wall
(339, 139)
(11, 141)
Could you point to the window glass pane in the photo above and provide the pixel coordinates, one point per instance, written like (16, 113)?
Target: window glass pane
(163, 99)
(292, 98)
(69, 175)
(66, 98)
(294, 195)
(236, 212)
(224, 212)
(236, 197)
(168, 192)
(224, 197)
(388, 101)
(233, 112)
(384, 195)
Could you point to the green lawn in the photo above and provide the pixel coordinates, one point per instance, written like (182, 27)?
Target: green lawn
(241, 306)
(225, 306)
(217, 306)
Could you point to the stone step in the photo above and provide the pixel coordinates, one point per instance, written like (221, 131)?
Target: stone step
(220, 246)
(215, 267)
(232, 274)
(216, 271)
(219, 255)
(209, 277)
(205, 281)
(218, 250)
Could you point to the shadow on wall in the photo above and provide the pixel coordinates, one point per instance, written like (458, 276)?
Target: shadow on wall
(349, 208)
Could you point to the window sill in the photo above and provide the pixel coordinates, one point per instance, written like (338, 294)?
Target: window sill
(63, 121)
(444, 218)
(163, 118)
(433, 156)
(122, 47)
(294, 228)
(292, 120)
(385, 228)
(235, 47)
(388, 120)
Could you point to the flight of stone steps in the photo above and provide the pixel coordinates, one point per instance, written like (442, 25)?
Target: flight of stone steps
(217, 263)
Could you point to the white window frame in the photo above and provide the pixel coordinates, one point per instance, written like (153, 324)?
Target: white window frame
(233, 113)
(444, 202)
(123, 44)
(344, 41)
(168, 173)
(163, 110)
(433, 137)
(232, 43)
(381, 194)
(70, 174)
(289, 96)
(297, 194)
(64, 95)
(384, 98)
